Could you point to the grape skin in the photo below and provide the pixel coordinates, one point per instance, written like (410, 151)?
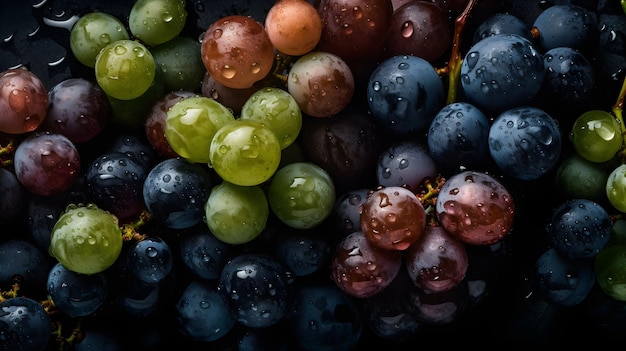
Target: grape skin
(293, 26)
(23, 101)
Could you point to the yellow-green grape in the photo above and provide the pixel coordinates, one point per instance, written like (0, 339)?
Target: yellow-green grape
(596, 136)
(245, 152)
(276, 109)
(155, 22)
(86, 239)
(191, 124)
(616, 188)
(236, 214)
(92, 32)
(301, 195)
(180, 63)
(125, 69)
(610, 268)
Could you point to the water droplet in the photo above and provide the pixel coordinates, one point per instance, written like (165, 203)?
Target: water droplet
(407, 29)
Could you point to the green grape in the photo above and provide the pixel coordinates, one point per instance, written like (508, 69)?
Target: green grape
(579, 178)
(278, 110)
(616, 188)
(245, 152)
(86, 239)
(596, 136)
(191, 124)
(181, 64)
(618, 232)
(610, 269)
(125, 69)
(92, 32)
(236, 214)
(155, 22)
(301, 195)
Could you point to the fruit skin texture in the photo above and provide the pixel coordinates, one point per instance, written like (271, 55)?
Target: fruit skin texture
(293, 26)
(23, 101)
(86, 239)
(167, 17)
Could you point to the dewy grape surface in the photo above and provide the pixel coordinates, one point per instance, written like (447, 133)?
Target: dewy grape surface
(311, 175)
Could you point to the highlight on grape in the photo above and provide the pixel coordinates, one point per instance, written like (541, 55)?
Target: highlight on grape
(311, 174)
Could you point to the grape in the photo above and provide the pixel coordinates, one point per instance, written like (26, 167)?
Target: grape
(23, 101)
(406, 163)
(577, 177)
(579, 228)
(609, 269)
(346, 213)
(436, 261)
(502, 23)
(354, 29)
(439, 308)
(525, 142)
(76, 294)
(570, 77)
(293, 26)
(404, 93)
(135, 146)
(257, 289)
(157, 21)
(86, 239)
(191, 124)
(156, 121)
(566, 25)
(237, 51)
(202, 313)
(125, 69)
(301, 194)
(304, 253)
(475, 207)
(615, 188)
(324, 318)
(180, 62)
(13, 200)
(321, 83)
(175, 191)
(596, 135)
(232, 98)
(150, 260)
(24, 263)
(392, 218)
(236, 214)
(78, 109)
(458, 137)
(204, 254)
(420, 29)
(562, 281)
(47, 163)
(92, 32)
(278, 111)
(245, 152)
(501, 72)
(24, 325)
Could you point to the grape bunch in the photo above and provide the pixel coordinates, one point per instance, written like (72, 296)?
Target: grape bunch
(311, 175)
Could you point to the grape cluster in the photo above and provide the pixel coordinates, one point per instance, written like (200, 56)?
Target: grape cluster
(311, 175)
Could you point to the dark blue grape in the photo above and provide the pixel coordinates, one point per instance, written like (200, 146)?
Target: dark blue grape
(204, 255)
(570, 77)
(579, 228)
(137, 146)
(114, 182)
(24, 263)
(404, 94)
(566, 25)
(150, 260)
(136, 298)
(325, 319)
(76, 294)
(13, 197)
(458, 137)
(24, 325)
(346, 214)
(525, 142)
(303, 252)
(562, 281)
(175, 192)
(257, 289)
(501, 72)
(502, 23)
(202, 314)
(406, 164)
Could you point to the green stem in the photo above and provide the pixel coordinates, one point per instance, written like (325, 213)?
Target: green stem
(454, 66)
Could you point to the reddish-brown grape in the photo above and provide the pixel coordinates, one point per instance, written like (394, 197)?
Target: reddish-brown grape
(155, 122)
(293, 26)
(393, 218)
(23, 101)
(237, 51)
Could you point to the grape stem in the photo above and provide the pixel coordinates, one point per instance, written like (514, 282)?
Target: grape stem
(129, 230)
(6, 153)
(617, 109)
(454, 64)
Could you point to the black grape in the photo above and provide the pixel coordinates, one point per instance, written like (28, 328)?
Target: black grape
(13, 196)
(76, 294)
(150, 260)
(566, 25)
(570, 77)
(346, 215)
(137, 146)
(24, 325)
(502, 23)
(204, 255)
(23, 262)
(501, 72)
(525, 142)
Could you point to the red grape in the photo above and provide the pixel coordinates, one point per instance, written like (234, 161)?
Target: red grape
(23, 101)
